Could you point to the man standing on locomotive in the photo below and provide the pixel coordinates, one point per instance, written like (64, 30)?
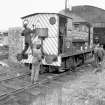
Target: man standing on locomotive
(27, 35)
(37, 59)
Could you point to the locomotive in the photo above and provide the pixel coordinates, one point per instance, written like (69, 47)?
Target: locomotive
(65, 44)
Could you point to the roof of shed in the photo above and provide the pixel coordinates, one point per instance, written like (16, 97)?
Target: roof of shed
(89, 13)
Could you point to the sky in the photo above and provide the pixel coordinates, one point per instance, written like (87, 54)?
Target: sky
(11, 11)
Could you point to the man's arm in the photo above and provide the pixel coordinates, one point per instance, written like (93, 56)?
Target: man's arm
(22, 34)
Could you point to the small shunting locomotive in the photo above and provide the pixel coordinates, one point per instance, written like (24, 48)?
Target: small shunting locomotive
(64, 44)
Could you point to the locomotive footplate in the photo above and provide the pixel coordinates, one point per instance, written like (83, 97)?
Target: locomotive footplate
(77, 53)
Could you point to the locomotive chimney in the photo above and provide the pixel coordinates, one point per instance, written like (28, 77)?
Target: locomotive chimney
(68, 5)
(65, 4)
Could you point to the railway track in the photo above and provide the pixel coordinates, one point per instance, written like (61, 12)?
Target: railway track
(17, 84)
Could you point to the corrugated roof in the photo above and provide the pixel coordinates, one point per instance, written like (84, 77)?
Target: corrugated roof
(74, 16)
(89, 13)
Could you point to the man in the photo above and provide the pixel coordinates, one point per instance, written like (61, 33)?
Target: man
(99, 54)
(36, 62)
(27, 34)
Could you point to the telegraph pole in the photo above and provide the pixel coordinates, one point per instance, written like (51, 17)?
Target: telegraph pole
(65, 4)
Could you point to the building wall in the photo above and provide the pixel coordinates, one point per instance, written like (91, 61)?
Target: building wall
(15, 41)
(3, 39)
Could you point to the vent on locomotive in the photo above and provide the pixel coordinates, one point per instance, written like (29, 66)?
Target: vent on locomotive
(42, 32)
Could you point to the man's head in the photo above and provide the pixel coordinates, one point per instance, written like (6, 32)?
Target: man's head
(25, 23)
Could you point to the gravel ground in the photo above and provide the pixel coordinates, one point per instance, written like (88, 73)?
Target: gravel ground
(85, 87)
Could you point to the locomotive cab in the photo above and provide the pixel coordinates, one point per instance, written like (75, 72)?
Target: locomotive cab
(52, 29)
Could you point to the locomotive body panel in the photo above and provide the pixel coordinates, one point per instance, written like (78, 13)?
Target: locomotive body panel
(50, 44)
(79, 40)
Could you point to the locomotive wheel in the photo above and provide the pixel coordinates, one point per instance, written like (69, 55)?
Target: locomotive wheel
(68, 63)
(80, 59)
(71, 63)
(44, 69)
(62, 68)
(51, 69)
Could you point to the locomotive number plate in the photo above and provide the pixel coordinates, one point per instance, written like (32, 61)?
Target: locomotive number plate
(52, 20)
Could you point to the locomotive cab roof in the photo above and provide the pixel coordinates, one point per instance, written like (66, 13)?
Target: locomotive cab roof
(45, 13)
